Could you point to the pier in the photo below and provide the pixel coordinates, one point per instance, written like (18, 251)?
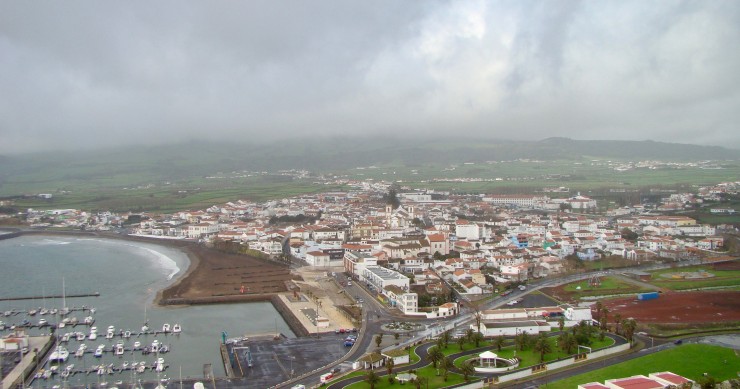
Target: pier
(93, 294)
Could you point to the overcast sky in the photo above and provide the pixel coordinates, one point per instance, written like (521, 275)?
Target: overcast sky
(81, 74)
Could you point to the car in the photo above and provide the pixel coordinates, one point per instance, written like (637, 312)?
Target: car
(678, 342)
(352, 337)
(349, 343)
(349, 283)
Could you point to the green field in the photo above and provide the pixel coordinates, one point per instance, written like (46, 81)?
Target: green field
(197, 176)
(607, 286)
(726, 278)
(690, 361)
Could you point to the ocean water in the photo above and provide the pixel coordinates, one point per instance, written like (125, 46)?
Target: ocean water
(127, 275)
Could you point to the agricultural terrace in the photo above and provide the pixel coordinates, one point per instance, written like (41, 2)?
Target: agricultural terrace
(690, 361)
(724, 274)
(603, 286)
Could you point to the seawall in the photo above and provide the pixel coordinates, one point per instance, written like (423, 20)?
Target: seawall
(293, 323)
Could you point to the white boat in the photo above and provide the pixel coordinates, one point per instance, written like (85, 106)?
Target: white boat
(43, 311)
(127, 334)
(125, 365)
(160, 365)
(176, 328)
(81, 350)
(66, 337)
(119, 348)
(80, 336)
(61, 324)
(60, 354)
(99, 351)
(145, 328)
(43, 322)
(141, 368)
(155, 345)
(89, 320)
(93, 336)
(32, 312)
(109, 334)
(166, 327)
(53, 311)
(137, 345)
(112, 328)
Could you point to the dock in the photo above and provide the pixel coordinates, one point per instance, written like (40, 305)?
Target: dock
(92, 294)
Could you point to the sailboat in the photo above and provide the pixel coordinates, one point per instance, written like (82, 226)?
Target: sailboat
(145, 327)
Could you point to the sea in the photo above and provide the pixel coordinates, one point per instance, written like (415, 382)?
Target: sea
(127, 275)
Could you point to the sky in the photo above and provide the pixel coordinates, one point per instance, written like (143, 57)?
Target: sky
(102, 74)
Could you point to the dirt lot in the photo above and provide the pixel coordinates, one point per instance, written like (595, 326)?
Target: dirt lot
(213, 274)
(683, 307)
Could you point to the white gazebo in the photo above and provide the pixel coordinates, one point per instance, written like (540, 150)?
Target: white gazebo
(486, 357)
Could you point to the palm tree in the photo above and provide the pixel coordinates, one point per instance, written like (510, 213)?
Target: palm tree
(477, 338)
(445, 365)
(567, 342)
(617, 319)
(522, 340)
(435, 355)
(499, 342)
(461, 342)
(469, 335)
(542, 346)
(561, 323)
(378, 339)
(605, 318)
(628, 327)
(422, 381)
(467, 370)
(446, 338)
(372, 379)
(599, 306)
(389, 364)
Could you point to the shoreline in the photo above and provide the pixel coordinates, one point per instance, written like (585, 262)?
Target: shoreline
(169, 295)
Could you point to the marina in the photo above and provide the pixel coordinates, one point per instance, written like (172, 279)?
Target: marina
(128, 277)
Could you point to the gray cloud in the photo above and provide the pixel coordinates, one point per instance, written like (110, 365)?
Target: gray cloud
(101, 74)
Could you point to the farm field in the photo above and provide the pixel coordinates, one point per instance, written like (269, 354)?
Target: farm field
(690, 361)
(680, 307)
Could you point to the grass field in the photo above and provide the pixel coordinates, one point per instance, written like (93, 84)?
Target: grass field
(607, 286)
(728, 278)
(435, 381)
(530, 357)
(690, 361)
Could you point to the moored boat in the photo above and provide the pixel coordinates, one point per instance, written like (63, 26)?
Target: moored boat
(176, 328)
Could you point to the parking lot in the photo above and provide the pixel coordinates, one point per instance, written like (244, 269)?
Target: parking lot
(274, 361)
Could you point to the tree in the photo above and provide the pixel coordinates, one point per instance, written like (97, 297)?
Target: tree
(467, 369)
(372, 379)
(446, 338)
(469, 335)
(561, 323)
(617, 320)
(628, 234)
(604, 318)
(435, 355)
(389, 364)
(477, 338)
(567, 343)
(391, 198)
(461, 342)
(522, 340)
(499, 342)
(421, 382)
(599, 307)
(378, 339)
(707, 382)
(542, 345)
(396, 335)
(445, 365)
(628, 327)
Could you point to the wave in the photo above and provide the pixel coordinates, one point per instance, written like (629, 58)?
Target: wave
(51, 242)
(164, 261)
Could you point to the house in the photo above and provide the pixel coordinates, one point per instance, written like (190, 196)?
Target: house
(318, 258)
(399, 356)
